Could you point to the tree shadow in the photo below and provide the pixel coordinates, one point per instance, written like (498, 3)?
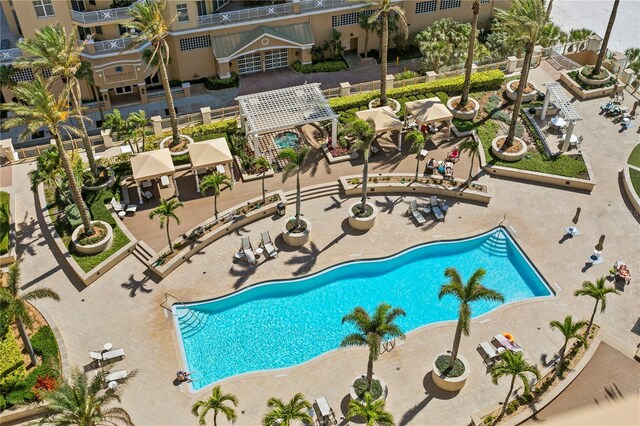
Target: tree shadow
(388, 205)
(564, 238)
(344, 408)
(242, 273)
(134, 285)
(27, 235)
(307, 260)
(587, 266)
(336, 203)
(431, 391)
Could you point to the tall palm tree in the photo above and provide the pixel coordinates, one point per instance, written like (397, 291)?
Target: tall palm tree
(469, 64)
(372, 330)
(283, 414)
(115, 122)
(262, 165)
(16, 304)
(217, 182)
(549, 8)
(472, 291)
(48, 171)
(605, 41)
(36, 108)
(151, 26)
(295, 160)
(417, 140)
(598, 292)
(83, 402)
(569, 330)
(216, 402)
(633, 54)
(523, 21)
(85, 72)
(472, 148)
(363, 134)
(166, 211)
(138, 122)
(552, 35)
(54, 49)
(514, 365)
(383, 9)
(372, 411)
(363, 21)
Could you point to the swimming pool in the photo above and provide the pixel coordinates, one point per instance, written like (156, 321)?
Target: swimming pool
(279, 324)
(286, 140)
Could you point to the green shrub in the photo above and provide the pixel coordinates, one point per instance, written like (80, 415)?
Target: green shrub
(216, 83)
(406, 75)
(225, 126)
(175, 83)
(121, 163)
(179, 160)
(635, 179)
(328, 66)
(463, 125)
(512, 407)
(11, 363)
(4, 222)
(443, 97)
(44, 343)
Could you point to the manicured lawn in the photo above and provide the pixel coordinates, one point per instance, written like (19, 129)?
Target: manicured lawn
(635, 179)
(4, 222)
(634, 158)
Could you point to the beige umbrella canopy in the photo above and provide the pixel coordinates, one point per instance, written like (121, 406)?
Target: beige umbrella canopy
(152, 165)
(384, 120)
(209, 153)
(425, 111)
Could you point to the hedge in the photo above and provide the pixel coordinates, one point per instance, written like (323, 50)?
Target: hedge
(11, 363)
(217, 83)
(225, 126)
(328, 66)
(4, 222)
(487, 80)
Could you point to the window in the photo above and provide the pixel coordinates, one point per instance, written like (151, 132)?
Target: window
(122, 29)
(43, 8)
(202, 7)
(152, 79)
(98, 29)
(484, 1)
(77, 5)
(425, 7)
(123, 90)
(183, 14)
(193, 43)
(92, 2)
(84, 33)
(349, 18)
(449, 4)
(22, 75)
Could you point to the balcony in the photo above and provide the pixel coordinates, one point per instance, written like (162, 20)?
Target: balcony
(9, 55)
(96, 17)
(113, 47)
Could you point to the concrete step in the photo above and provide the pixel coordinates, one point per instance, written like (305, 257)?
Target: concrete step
(316, 191)
(312, 189)
(144, 253)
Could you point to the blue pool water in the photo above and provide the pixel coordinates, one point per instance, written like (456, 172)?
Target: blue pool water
(286, 140)
(279, 324)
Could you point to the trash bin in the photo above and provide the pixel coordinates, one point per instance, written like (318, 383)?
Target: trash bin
(282, 208)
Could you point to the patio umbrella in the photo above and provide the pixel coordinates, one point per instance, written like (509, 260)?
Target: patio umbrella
(577, 216)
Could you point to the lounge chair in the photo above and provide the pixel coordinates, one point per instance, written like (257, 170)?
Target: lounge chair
(572, 230)
(247, 250)
(115, 376)
(96, 356)
(117, 207)
(437, 212)
(488, 352)
(499, 341)
(326, 416)
(268, 245)
(413, 209)
(453, 155)
(115, 353)
(622, 272)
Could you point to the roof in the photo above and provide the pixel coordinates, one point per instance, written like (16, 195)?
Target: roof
(209, 153)
(560, 99)
(426, 111)
(283, 109)
(227, 45)
(152, 164)
(383, 118)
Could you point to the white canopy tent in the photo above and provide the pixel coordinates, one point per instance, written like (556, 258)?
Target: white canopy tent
(153, 165)
(283, 109)
(554, 90)
(384, 120)
(211, 153)
(431, 110)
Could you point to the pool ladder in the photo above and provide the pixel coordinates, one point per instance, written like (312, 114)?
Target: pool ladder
(496, 245)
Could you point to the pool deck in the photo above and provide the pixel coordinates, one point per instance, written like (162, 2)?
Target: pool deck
(123, 307)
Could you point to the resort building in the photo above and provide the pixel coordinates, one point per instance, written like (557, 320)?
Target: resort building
(210, 37)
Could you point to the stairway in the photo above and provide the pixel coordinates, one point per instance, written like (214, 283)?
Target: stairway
(315, 191)
(192, 322)
(496, 245)
(144, 253)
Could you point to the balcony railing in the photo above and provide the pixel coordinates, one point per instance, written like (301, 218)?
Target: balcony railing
(241, 15)
(112, 46)
(9, 55)
(308, 5)
(99, 16)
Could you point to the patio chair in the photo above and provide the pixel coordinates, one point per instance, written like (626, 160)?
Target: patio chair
(572, 231)
(454, 155)
(413, 209)
(247, 250)
(437, 212)
(116, 375)
(115, 353)
(499, 341)
(326, 416)
(95, 356)
(268, 245)
(488, 352)
(117, 207)
(622, 272)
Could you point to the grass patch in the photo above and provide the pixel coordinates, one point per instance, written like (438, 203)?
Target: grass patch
(463, 125)
(88, 262)
(4, 222)
(360, 386)
(634, 157)
(11, 363)
(442, 364)
(635, 180)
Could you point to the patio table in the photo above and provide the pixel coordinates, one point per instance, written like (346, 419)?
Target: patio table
(558, 122)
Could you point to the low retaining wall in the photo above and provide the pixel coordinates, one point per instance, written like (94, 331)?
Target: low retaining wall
(629, 189)
(10, 257)
(24, 413)
(586, 94)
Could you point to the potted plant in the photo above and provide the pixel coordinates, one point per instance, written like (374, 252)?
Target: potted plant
(362, 215)
(296, 230)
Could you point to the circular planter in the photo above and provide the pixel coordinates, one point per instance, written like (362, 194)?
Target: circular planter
(108, 184)
(385, 389)
(526, 97)
(508, 156)
(594, 81)
(362, 223)
(177, 153)
(463, 115)
(93, 248)
(296, 239)
(391, 103)
(450, 384)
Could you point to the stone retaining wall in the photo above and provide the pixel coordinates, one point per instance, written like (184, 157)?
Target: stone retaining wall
(634, 199)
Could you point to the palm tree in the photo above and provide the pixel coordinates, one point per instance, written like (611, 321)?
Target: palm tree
(363, 21)
(551, 35)
(295, 160)
(383, 8)
(85, 72)
(363, 134)
(166, 211)
(372, 330)
(599, 292)
(523, 21)
(16, 304)
(138, 122)
(633, 54)
(151, 26)
(262, 166)
(372, 411)
(283, 414)
(216, 402)
(217, 182)
(472, 291)
(472, 43)
(36, 108)
(514, 365)
(83, 402)
(417, 140)
(472, 148)
(54, 49)
(577, 34)
(129, 129)
(48, 171)
(605, 41)
(549, 8)
(570, 330)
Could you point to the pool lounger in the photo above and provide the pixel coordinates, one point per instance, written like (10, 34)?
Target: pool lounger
(116, 375)
(488, 352)
(268, 244)
(248, 250)
(116, 353)
(413, 208)
(500, 341)
(437, 212)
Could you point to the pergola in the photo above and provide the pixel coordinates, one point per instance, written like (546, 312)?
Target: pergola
(384, 120)
(211, 153)
(282, 109)
(431, 110)
(152, 165)
(554, 90)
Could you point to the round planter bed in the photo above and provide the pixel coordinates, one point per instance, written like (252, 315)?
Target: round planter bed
(183, 151)
(111, 179)
(513, 154)
(362, 223)
(391, 103)
(383, 387)
(512, 94)
(463, 115)
(594, 81)
(450, 384)
(94, 247)
(296, 239)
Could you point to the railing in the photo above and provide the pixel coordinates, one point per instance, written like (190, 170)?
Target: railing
(116, 45)
(98, 16)
(307, 5)
(562, 61)
(8, 55)
(241, 15)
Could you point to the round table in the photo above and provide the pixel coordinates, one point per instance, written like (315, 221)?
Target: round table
(112, 385)
(558, 122)
(122, 214)
(239, 255)
(259, 251)
(108, 346)
(573, 139)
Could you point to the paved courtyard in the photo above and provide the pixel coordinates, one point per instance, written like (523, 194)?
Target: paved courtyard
(124, 306)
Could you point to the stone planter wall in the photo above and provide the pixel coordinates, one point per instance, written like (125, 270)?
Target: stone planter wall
(463, 115)
(108, 183)
(629, 189)
(332, 160)
(391, 103)
(248, 178)
(297, 239)
(385, 388)
(177, 153)
(593, 81)
(10, 257)
(526, 97)
(450, 384)
(586, 94)
(95, 248)
(508, 156)
(362, 223)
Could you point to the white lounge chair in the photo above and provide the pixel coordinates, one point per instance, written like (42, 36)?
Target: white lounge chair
(115, 376)
(488, 352)
(596, 257)
(437, 212)
(247, 250)
(500, 341)
(117, 207)
(326, 416)
(268, 245)
(413, 209)
(97, 356)
(116, 353)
